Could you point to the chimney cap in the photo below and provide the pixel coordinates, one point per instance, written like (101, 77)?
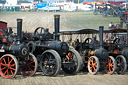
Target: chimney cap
(57, 16)
(101, 26)
(19, 20)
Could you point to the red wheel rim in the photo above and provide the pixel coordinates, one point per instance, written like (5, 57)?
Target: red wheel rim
(109, 65)
(7, 66)
(92, 65)
(28, 68)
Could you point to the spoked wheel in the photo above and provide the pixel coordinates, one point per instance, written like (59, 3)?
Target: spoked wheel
(8, 66)
(121, 64)
(110, 65)
(28, 67)
(50, 63)
(93, 65)
(74, 57)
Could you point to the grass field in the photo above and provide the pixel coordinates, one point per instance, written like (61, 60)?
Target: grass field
(88, 20)
(69, 20)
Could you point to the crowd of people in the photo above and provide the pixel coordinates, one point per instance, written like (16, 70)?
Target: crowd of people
(112, 26)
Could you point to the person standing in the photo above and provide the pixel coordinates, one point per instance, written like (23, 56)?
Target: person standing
(110, 25)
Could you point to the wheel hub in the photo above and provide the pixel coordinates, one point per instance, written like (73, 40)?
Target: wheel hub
(6, 66)
(110, 65)
(93, 65)
(118, 64)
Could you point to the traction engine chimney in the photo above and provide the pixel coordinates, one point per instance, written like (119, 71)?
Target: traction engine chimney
(57, 26)
(19, 30)
(101, 35)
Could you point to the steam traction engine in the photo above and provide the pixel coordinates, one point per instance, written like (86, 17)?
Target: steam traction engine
(14, 53)
(99, 58)
(107, 62)
(92, 51)
(122, 60)
(52, 54)
(117, 44)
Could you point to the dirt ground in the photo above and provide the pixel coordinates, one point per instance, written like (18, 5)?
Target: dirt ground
(82, 78)
(33, 20)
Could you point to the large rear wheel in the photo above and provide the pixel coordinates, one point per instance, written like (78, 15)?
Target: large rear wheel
(110, 65)
(121, 64)
(28, 67)
(8, 66)
(93, 65)
(74, 57)
(50, 63)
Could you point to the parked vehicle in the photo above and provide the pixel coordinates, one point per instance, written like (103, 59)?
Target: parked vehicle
(14, 53)
(109, 9)
(52, 54)
(91, 49)
(52, 8)
(116, 44)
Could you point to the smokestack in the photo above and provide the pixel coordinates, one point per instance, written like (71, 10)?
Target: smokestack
(101, 28)
(57, 26)
(19, 30)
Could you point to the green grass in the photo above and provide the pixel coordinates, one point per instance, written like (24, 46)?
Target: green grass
(88, 20)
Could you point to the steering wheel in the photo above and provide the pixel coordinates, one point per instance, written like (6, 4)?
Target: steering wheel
(116, 41)
(42, 34)
(39, 31)
(119, 43)
(87, 40)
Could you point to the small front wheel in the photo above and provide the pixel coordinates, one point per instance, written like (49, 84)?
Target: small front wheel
(110, 65)
(93, 65)
(121, 64)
